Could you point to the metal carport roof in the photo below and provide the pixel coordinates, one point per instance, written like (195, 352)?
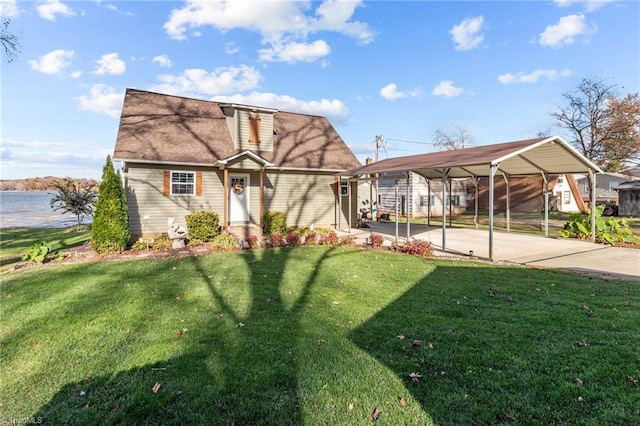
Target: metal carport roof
(540, 156)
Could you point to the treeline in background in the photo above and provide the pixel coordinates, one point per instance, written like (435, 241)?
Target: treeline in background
(42, 184)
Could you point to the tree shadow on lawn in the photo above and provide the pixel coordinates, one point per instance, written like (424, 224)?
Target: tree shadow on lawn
(501, 345)
(243, 368)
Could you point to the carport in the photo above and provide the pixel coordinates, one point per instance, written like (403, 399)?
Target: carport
(542, 156)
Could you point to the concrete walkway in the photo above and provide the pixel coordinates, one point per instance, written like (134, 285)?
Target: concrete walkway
(538, 251)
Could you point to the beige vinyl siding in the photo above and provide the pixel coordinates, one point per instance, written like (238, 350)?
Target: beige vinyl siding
(266, 131)
(306, 198)
(144, 192)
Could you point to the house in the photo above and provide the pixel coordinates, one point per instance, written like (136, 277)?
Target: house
(526, 194)
(425, 197)
(629, 197)
(181, 155)
(606, 184)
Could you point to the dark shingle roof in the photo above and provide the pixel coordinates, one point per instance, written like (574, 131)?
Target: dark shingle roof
(157, 128)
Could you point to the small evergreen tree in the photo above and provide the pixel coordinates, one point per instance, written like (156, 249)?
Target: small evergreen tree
(110, 231)
(74, 197)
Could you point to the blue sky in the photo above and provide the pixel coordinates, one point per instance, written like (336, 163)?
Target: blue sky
(400, 69)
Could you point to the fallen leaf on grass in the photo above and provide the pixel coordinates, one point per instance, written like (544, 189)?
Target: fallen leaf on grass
(350, 406)
(580, 399)
(321, 341)
(156, 388)
(375, 414)
(400, 336)
(582, 343)
(416, 342)
(240, 324)
(578, 381)
(415, 377)
(632, 380)
(403, 402)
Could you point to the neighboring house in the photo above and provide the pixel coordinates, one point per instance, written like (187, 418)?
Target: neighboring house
(629, 197)
(606, 184)
(567, 194)
(424, 197)
(526, 194)
(182, 155)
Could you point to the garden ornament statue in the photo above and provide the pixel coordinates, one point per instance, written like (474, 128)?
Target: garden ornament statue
(177, 233)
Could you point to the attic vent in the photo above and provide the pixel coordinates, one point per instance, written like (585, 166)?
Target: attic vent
(254, 128)
(275, 132)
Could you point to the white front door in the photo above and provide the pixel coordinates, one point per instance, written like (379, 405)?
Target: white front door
(239, 198)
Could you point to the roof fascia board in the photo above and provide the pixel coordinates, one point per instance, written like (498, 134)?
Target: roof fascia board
(247, 153)
(164, 163)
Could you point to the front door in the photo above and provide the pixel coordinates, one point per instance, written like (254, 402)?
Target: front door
(239, 198)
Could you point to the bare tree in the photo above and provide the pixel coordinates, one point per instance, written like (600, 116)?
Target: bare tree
(9, 41)
(457, 139)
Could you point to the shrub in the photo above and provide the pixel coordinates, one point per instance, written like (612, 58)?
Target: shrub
(74, 197)
(203, 225)
(417, 247)
(348, 240)
(311, 239)
(38, 252)
(376, 240)
(293, 239)
(110, 229)
(329, 239)
(253, 242)
(163, 242)
(608, 229)
(274, 221)
(277, 239)
(224, 242)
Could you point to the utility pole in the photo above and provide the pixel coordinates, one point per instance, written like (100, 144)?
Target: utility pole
(378, 141)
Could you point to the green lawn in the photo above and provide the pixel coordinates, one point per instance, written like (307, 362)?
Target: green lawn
(15, 242)
(318, 336)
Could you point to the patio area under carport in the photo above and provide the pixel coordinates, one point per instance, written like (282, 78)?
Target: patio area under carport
(541, 156)
(511, 247)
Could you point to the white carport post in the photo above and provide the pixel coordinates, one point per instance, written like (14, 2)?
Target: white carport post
(508, 203)
(476, 182)
(492, 174)
(408, 207)
(444, 208)
(349, 198)
(546, 204)
(592, 179)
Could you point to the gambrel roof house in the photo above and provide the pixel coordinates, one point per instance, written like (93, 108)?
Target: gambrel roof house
(182, 155)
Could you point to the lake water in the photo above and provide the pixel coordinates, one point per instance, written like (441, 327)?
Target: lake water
(32, 209)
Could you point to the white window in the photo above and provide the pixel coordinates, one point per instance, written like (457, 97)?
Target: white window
(344, 188)
(567, 197)
(455, 199)
(183, 183)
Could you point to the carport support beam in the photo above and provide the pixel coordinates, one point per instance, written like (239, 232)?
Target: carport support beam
(508, 203)
(476, 182)
(492, 174)
(592, 179)
(444, 209)
(408, 208)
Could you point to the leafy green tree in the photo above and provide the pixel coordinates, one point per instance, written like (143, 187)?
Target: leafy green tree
(110, 231)
(74, 197)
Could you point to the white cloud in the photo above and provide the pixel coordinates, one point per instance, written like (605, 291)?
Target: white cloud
(103, 99)
(565, 31)
(199, 82)
(162, 60)
(334, 109)
(391, 93)
(49, 9)
(231, 48)
(532, 77)
(467, 34)
(110, 63)
(9, 8)
(448, 89)
(589, 5)
(41, 158)
(53, 62)
(284, 26)
(295, 52)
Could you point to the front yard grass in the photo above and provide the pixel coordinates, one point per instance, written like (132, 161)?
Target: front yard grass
(317, 335)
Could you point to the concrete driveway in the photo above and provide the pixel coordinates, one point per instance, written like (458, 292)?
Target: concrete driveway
(560, 253)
